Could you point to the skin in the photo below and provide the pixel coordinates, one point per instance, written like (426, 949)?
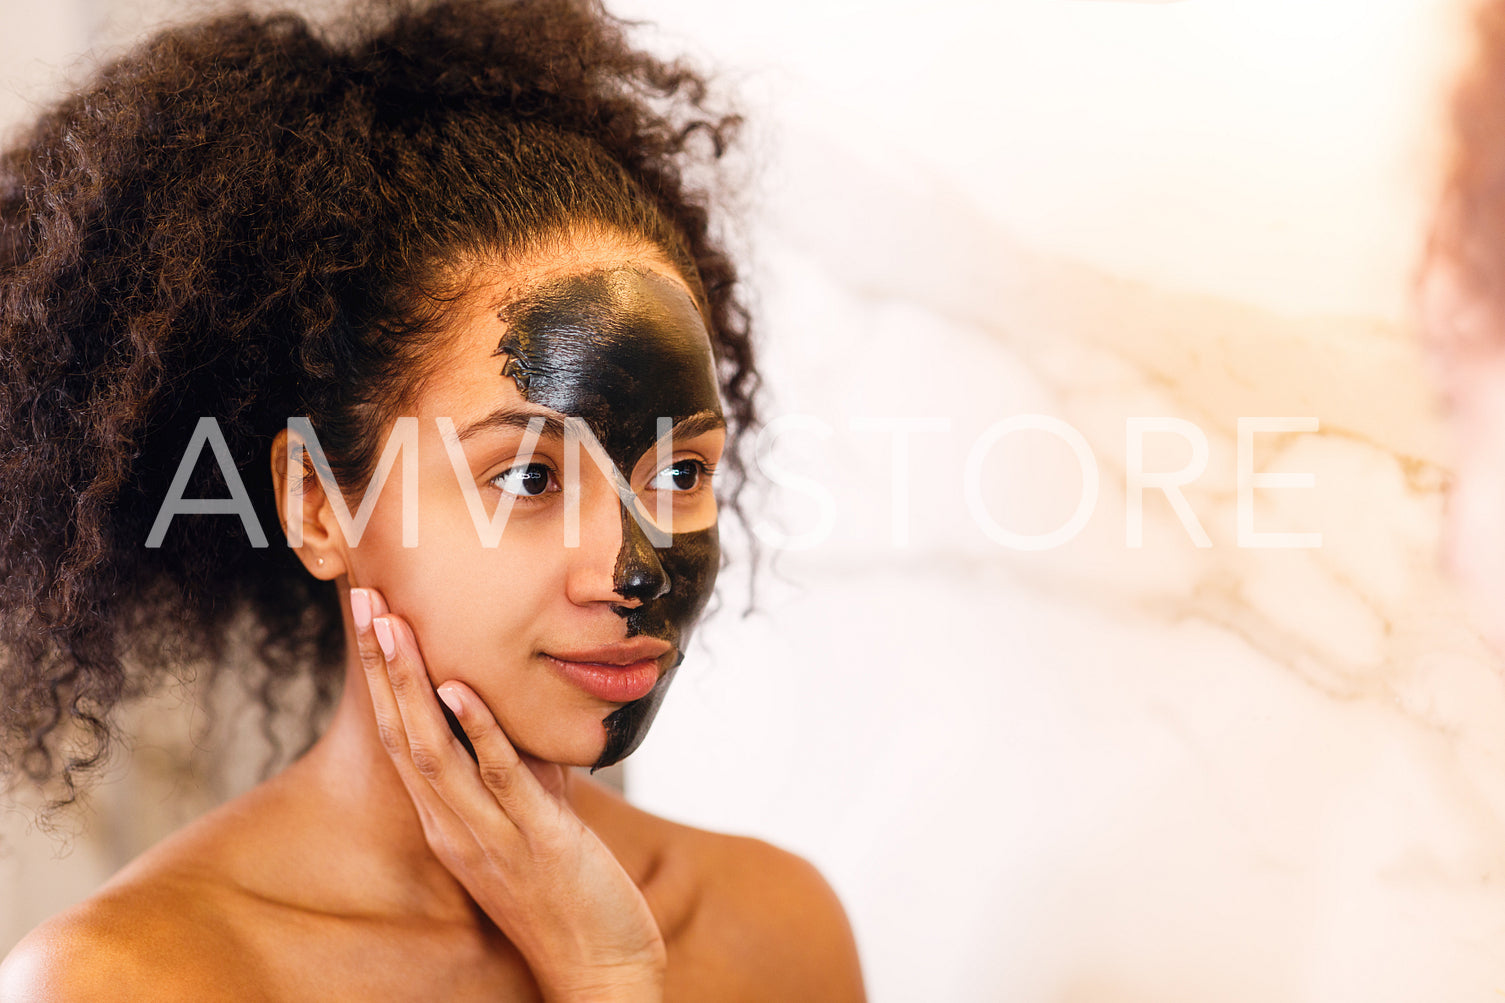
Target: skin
(507, 876)
(618, 349)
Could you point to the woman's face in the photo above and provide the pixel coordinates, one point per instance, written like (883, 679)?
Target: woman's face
(571, 625)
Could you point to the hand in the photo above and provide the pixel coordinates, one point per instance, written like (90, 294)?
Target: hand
(503, 828)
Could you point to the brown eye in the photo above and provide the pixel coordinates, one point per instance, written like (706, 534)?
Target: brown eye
(683, 475)
(525, 481)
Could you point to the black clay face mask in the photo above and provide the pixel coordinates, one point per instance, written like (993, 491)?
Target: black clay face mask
(621, 349)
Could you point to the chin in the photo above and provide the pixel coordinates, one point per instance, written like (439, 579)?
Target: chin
(581, 747)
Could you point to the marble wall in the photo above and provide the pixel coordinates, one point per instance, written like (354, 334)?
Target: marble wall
(1093, 772)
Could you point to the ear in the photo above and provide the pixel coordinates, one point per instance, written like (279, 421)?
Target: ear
(322, 550)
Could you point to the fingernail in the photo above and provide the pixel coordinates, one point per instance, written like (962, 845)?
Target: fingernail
(451, 699)
(383, 628)
(360, 608)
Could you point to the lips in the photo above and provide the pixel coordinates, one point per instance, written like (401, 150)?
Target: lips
(617, 673)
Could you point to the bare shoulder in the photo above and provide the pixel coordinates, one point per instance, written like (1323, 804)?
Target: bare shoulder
(153, 941)
(778, 916)
(168, 927)
(744, 919)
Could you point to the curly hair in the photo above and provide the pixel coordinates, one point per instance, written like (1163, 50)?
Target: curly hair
(252, 218)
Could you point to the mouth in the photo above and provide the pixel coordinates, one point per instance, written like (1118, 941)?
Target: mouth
(617, 673)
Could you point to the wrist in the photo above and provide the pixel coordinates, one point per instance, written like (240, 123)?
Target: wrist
(573, 969)
(638, 984)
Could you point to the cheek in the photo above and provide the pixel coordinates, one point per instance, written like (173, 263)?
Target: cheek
(468, 604)
(692, 564)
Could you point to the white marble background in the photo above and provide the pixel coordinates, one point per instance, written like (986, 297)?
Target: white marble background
(1091, 773)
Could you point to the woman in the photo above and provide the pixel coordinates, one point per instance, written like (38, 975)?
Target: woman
(431, 292)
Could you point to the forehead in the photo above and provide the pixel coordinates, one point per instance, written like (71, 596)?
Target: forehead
(607, 340)
(599, 337)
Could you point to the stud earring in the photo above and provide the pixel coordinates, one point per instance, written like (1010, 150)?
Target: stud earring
(321, 562)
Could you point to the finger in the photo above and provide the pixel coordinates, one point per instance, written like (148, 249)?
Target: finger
(365, 606)
(450, 835)
(523, 794)
(372, 631)
(434, 753)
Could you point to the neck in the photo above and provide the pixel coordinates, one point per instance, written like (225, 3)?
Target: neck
(382, 839)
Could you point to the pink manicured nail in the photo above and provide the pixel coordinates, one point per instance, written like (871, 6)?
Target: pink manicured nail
(451, 700)
(383, 628)
(360, 608)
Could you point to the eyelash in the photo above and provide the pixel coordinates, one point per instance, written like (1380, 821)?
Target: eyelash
(706, 471)
(548, 472)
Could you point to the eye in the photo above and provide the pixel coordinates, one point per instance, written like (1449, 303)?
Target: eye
(682, 476)
(526, 481)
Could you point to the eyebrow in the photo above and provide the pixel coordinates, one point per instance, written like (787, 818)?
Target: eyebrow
(698, 423)
(688, 427)
(509, 417)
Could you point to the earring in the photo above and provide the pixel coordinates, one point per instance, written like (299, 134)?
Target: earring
(321, 562)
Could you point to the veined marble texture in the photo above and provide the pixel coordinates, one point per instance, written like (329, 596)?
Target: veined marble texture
(1098, 773)
(1094, 773)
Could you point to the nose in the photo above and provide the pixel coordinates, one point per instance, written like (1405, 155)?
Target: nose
(615, 562)
(639, 575)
